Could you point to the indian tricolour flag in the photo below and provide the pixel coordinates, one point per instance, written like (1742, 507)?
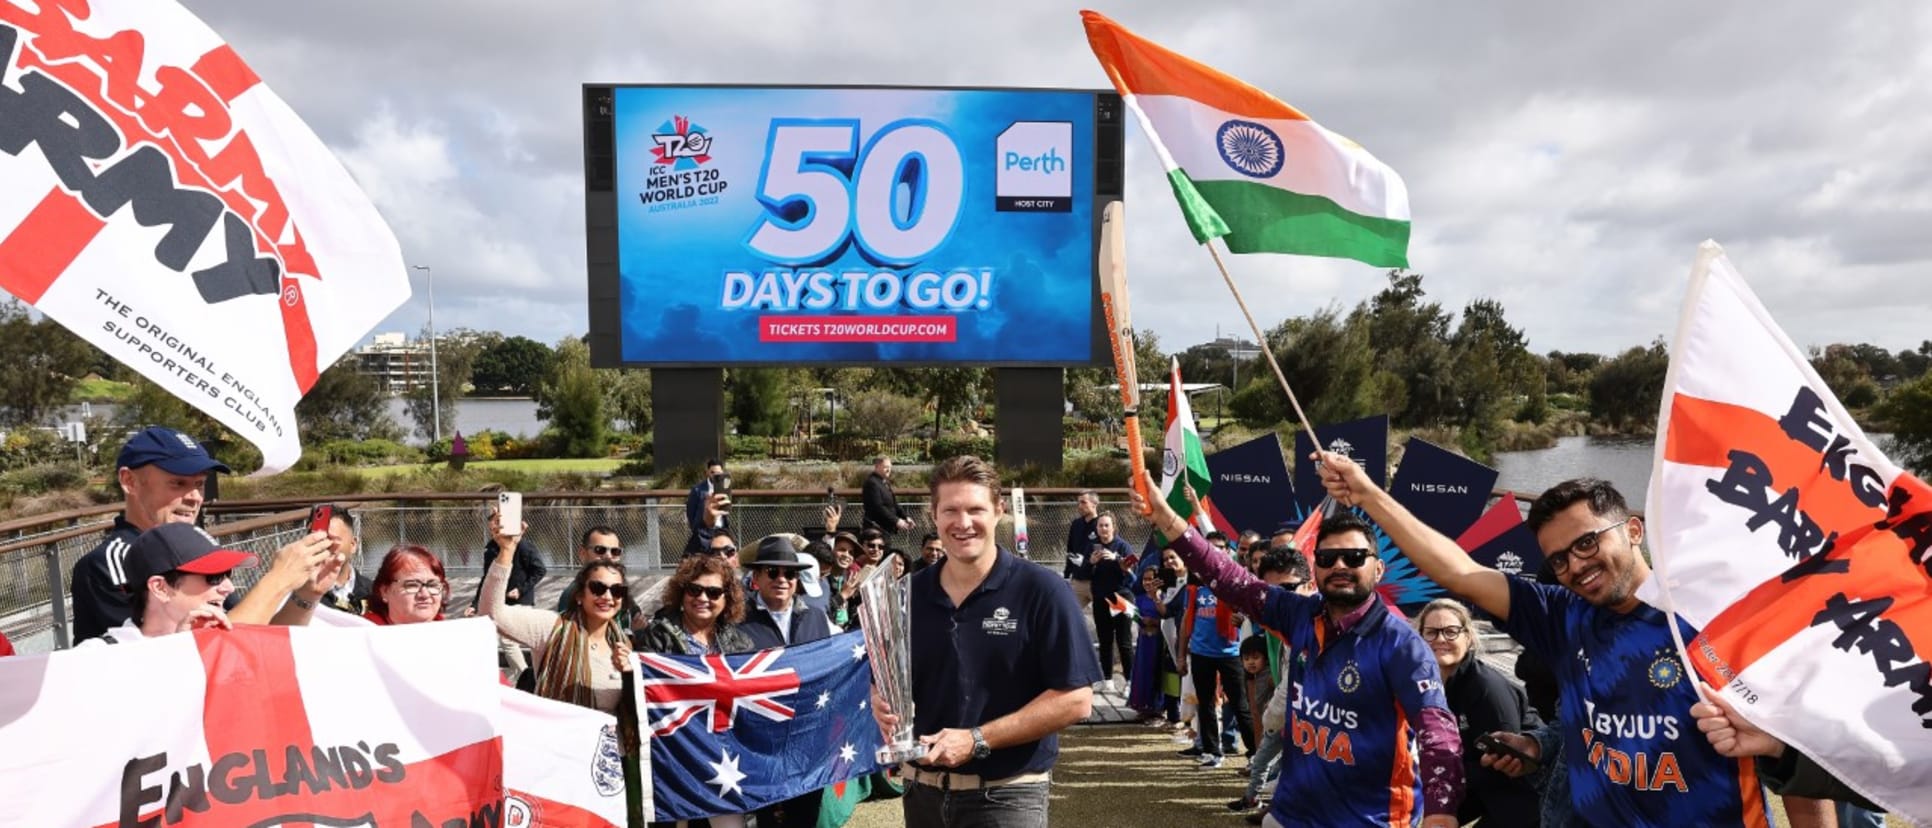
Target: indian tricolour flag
(1182, 461)
(1252, 170)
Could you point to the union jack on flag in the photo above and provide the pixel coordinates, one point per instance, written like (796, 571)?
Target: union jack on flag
(809, 725)
(712, 685)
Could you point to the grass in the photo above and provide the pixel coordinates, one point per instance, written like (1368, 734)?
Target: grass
(554, 465)
(97, 390)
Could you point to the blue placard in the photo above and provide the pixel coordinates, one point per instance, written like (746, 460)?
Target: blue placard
(1250, 486)
(1443, 489)
(1366, 441)
(774, 225)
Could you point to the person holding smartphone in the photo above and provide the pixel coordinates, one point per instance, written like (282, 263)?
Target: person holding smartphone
(707, 509)
(1484, 701)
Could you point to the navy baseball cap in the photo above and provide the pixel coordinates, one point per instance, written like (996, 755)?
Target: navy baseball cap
(181, 547)
(174, 452)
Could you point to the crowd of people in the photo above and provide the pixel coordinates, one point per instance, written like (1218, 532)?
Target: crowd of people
(1346, 711)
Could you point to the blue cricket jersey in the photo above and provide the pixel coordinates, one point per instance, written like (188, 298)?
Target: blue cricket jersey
(1635, 755)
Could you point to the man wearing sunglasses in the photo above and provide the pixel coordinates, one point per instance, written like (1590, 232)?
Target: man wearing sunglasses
(1630, 745)
(600, 543)
(1367, 690)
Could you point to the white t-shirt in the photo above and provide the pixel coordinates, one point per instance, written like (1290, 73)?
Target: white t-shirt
(127, 633)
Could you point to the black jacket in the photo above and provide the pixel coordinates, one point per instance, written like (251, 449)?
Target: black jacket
(665, 634)
(98, 583)
(807, 625)
(526, 572)
(358, 596)
(701, 532)
(882, 509)
(1485, 701)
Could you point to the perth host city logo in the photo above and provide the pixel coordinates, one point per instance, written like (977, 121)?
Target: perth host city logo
(680, 174)
(1033, 168)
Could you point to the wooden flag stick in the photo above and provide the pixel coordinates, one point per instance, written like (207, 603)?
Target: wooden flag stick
(1262, 340)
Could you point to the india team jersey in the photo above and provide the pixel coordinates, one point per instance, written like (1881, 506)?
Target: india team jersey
(1635, 755)
(1349, 755)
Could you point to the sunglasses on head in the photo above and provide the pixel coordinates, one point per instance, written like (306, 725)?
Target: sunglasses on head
(607, 551)
(1350, 558)
(713, 593)
(776, 572)
(601, 589)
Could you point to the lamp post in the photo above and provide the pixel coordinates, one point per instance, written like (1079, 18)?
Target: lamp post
(435, 381)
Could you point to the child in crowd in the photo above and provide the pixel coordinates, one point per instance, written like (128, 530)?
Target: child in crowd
(1259, 685)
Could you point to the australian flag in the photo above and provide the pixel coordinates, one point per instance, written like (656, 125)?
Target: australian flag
(733, 733)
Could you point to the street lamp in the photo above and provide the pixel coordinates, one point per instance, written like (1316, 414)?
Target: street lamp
(435, 381)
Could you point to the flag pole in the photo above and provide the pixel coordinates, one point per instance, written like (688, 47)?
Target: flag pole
(1262, 340)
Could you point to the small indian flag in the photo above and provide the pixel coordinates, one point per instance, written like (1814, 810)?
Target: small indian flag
(1252, 170)
(1183, 463)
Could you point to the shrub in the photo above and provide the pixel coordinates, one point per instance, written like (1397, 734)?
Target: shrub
(747, 447)
(42, 478)
(954, 446)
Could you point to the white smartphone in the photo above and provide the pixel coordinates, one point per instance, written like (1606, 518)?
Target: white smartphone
(509, 510)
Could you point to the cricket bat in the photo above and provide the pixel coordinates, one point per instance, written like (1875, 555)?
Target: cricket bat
(1120, 334)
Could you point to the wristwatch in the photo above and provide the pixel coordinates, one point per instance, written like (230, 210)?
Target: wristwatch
(981, 749)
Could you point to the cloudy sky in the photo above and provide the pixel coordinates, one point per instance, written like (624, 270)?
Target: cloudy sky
(1564, 158)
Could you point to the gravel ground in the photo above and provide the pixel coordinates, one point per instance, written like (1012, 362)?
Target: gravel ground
(1128, 776)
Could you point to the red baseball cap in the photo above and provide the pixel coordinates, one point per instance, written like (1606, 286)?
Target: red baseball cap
(179, 547)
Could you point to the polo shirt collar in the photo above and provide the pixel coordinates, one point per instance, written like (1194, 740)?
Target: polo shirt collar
(1004, 565)
(1357, 617)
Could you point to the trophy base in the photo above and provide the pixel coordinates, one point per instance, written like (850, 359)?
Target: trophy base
(893, 755)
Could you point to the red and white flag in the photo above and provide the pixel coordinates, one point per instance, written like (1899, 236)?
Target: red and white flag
(563, 766)
(1794, 546)
(257, 726)
(166, 206)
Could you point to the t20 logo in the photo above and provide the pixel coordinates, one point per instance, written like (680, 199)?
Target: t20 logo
(898, 197)
(681, 144)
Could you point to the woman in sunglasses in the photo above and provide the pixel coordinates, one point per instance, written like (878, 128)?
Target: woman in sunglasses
(1484, 701)
(704, 606)
(583, 654)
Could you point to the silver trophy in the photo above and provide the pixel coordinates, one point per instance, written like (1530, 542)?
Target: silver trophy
(886, 618)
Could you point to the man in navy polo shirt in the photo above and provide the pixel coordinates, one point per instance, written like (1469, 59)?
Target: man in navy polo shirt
(1366, 690)
(1000, 665)
(160, 471)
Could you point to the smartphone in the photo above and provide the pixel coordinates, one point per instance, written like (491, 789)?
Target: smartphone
(319, 516)
(1486, 744)
(509, 510)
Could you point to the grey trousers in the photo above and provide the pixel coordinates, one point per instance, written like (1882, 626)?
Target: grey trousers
(1007, 806)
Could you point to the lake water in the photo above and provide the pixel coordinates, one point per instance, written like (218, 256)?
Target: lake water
(1624, 461)
(513, 417)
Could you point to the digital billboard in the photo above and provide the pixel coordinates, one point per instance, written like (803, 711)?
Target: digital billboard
(847, 225)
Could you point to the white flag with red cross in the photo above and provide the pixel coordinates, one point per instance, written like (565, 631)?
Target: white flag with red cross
(257, 726)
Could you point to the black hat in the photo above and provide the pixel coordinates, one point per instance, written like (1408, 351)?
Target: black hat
(779, 551)
(181, 547)
(174, 452)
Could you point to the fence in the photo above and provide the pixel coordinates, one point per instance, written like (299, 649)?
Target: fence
(36, 565)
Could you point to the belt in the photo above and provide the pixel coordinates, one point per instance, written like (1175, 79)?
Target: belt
(946, 780)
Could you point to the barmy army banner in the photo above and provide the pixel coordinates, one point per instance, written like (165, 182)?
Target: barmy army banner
(257, 726)
(1799, 551)
(166, 206)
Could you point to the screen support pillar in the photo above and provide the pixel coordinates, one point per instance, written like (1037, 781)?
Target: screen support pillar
(687, 406)
(1031, 403)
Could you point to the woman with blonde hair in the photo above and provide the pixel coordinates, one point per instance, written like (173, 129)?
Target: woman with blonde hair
(1484, 701)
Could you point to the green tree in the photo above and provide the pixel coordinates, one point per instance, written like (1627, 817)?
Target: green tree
(1570, 373)
(1492, 367)
(345, 404)
(572, 401)
(40, 363)
(1411, 340)
(1847, 377)
(1907, 412)
(883, 415)
(1913, 364)
(627, 396)
(1087, 390)
(150, 405)
(1327, 361)
(511, 366)
(1627, 390)
(761, 400)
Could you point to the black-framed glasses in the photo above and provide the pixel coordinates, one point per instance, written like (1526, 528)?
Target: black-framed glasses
(724, 551)
(711, 592)
(600, 589)
(606, 551)
(1442, 633)
(1351, 558)
(413, 587)
(1583, 549)
(777, 572)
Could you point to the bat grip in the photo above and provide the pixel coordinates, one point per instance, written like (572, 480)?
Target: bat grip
(1137, 462)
